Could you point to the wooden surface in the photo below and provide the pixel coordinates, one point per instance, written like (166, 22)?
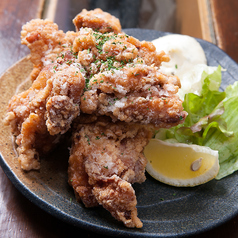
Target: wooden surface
(187, 18)
(18, 216)
(225, 17)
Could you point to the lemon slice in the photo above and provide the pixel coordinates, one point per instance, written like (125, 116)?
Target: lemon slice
(179, 164)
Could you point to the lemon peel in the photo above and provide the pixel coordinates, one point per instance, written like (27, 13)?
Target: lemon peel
(180, 164)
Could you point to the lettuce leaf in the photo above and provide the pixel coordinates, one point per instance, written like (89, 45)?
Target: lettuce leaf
(212, 121)
(227, 146)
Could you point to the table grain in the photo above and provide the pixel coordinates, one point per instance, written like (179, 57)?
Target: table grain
(18, 216)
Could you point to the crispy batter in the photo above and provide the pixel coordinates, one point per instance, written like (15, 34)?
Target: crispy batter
(118, 197)
(135, 94)
(42, 37)
(97, 20)
(105, 159)
(125, 82)
(99, 52)
(39, 114)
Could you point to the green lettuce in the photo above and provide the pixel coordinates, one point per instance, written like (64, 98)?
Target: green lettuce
(212, 121)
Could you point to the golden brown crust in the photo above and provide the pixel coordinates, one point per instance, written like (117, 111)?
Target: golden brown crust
(33, 116)
(105, 158)
(118, 197)
(135, 94)
(97, 20)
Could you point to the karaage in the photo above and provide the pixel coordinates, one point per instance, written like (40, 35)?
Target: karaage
(46, 110)
(105, 159)
(106, 84)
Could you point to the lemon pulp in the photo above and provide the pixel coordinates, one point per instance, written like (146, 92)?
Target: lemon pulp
(181, 164)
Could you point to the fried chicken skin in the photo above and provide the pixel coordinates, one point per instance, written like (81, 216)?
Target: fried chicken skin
(139, 94)
(124, 81)
(105, 159)
(97, 20)
(109, 51)
(45, 42)
(46, 110)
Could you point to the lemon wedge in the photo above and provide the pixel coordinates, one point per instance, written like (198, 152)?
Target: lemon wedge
(179, 164)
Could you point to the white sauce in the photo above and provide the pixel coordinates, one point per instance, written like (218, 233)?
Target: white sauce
(188, 61)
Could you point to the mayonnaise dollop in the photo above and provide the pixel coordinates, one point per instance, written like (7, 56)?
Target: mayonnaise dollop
(187, 61)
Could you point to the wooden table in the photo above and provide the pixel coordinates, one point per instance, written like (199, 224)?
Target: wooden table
(18, 216)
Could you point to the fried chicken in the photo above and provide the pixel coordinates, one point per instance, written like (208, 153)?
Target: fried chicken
(45, 42)
(106, 84)
(121, 73)
(46, 110)
(97, 20)
(139, 94)
(124, 81)
(105, 159)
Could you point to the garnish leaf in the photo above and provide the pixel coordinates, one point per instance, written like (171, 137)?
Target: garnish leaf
(212, 121)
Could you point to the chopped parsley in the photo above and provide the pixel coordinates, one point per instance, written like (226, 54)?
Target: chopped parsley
(88, 140)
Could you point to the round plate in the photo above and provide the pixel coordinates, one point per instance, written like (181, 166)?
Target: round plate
(164, 210)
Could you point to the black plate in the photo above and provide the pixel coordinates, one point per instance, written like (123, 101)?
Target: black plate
(164, 210)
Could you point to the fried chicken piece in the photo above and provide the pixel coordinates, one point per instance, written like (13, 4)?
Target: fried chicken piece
(125, 81)
(38, 115)
(97, 20)
(99, 52)
(105, 159)
(118, 197)
(138, 94)
(45, 42)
